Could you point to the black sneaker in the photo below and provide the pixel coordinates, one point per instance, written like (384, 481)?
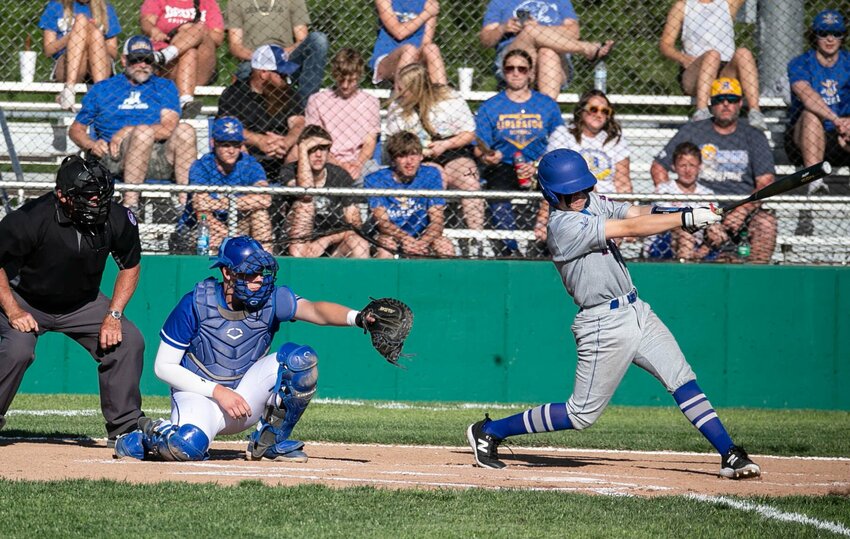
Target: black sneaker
(484, 446)
(736, 464)
(190, 110)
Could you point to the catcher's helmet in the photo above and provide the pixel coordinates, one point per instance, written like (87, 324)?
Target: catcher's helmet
(243, 255)
(88, 186)
(563, 172)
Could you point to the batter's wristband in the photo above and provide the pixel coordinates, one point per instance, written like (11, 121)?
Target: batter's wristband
(354, 318)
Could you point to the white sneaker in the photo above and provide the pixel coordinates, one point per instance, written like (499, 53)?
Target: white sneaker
(756, 119)
(66, 98)
(818, 187)
(701, 114)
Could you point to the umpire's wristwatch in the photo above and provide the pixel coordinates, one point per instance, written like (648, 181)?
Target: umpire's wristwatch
(118, 315)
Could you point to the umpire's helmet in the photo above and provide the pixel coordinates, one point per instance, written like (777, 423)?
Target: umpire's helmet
(88, 186)
(244, 256)
(563, 172)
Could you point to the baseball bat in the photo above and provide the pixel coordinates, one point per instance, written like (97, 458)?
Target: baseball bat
(785, 184)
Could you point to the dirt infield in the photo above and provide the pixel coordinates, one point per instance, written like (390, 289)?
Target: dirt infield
(570, 470)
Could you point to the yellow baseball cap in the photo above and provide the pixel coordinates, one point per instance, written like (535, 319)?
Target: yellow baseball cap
(726, 86)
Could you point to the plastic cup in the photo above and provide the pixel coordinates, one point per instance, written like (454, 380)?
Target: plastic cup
(464, 79)
(27, 61)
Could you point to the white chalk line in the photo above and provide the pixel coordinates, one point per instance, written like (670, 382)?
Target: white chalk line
(773, 513)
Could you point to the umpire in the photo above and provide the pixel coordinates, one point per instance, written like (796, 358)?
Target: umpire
(53, 251)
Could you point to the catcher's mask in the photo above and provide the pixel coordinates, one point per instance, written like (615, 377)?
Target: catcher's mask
(245, 258)
(87, 187)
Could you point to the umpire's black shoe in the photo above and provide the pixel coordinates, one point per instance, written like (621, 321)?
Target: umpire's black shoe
(736, 464)
(484, 446)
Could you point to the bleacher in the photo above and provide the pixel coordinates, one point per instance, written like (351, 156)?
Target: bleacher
(39, 131)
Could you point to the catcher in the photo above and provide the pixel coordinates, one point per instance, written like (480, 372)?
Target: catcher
(214, 354)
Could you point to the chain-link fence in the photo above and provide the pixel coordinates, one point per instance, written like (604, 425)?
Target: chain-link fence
(657, 77)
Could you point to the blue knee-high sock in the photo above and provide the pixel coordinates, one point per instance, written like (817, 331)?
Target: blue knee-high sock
(543, 418)
(503, 217)
(694, 404)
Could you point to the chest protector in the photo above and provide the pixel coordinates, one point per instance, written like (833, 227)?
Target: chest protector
(228, 342)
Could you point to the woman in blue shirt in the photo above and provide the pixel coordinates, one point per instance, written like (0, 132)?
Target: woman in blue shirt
(81, 37)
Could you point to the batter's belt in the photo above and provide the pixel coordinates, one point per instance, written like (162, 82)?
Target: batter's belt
(614, 304)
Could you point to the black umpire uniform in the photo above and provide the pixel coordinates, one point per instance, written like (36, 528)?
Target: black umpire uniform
(53, 252)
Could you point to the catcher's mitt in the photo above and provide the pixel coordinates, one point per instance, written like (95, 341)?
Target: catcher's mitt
(392, 322)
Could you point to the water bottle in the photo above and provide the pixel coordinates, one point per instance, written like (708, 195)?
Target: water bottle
(523, 180)
(203, 247)
(600, 76)
(744, 245)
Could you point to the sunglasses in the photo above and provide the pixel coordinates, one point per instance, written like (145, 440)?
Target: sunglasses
(322, 148)
(716, 100)
(140, 59)
(522, 70)
(593, 109)
(830, 33)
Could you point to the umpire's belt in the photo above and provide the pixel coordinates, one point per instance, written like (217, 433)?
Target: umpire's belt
(615, 303)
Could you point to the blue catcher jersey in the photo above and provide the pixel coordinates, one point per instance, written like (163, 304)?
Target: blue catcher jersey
(220, 344)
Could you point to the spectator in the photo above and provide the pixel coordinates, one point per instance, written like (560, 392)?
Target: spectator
(267, 107)
(351, 116)
(441, 119)
(81, 37)
(737, 160)
(253, 23)
(406, 36)
(410, 226)
(708, 52)
(136, 122)
(515, 121)
(819, 126)
(687, 160)
(549, 32)
(321, 225)
(186, 34)
(227, 164)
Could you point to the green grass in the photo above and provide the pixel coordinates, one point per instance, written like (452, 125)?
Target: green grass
(250, 509)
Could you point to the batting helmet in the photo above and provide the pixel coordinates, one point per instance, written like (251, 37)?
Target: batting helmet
(88, 186)
(243, 255)
(563, 172)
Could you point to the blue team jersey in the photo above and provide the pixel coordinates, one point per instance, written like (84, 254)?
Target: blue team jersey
(247, 171)
(831, 83)
(551, 13)
(512, 127)
(183, 324)
(53, 19)
(116, 102)
(408, 213)
(405, 10)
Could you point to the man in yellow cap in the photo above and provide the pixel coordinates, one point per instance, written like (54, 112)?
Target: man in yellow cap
(736, 160)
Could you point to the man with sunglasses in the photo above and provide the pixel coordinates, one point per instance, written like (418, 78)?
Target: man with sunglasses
(737, 160)
(819, 117)
(228, 164)
(135, 118)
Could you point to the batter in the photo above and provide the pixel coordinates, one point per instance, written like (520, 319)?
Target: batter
(614, 327)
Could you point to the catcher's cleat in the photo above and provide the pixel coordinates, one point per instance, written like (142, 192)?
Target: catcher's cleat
(285, 451)
(130, 445)
(736, 464)
(484, 446)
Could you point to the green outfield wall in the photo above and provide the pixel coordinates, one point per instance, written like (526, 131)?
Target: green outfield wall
(499, 331)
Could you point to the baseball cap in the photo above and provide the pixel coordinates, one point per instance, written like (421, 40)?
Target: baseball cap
(726, 86)
(138, 45)
(272, 58)
(227, 129)
(828, 20)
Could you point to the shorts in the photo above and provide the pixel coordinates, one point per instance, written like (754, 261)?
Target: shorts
(680, 76)
(375, 78)
(450, 155)
(501, 177)
(836, 156)
(158, 166)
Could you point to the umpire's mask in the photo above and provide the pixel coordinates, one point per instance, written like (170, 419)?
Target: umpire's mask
(87, 187)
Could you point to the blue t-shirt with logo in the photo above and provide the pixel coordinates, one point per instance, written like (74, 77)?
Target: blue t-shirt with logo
(53, 19)
(116, 102)
(405, 10)
(408, 213)
(550, 13)
(831, 83)
(246, 171)
(512, 127)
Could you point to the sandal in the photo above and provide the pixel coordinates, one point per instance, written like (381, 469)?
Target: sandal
(598, 54)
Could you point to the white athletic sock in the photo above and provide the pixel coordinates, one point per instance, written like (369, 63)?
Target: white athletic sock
(170, 53)
(186, 99)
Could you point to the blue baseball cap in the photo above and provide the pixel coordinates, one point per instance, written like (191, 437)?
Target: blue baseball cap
(138, 45)
(828, 20)
(227, 129)
(272, 58)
